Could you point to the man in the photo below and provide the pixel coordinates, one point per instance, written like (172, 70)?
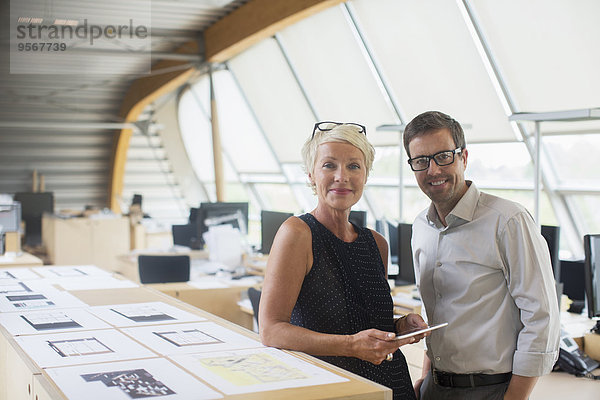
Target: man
(482, 266)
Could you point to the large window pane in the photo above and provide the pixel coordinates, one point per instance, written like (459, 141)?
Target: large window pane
(275, 97)
(241, 137)
(545, 50)
(431, 63)
(576, 159)
(278, 198)
(503, 164)
(336, 75)
(586, 210)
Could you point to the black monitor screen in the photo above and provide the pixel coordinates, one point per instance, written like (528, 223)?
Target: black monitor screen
(405, 256)
(552, 236)
(389, 230)
(33, 206)
(572, 277)
(591, 245)
(221, 213)
(185, 235)
(358, 218)
(270, 221)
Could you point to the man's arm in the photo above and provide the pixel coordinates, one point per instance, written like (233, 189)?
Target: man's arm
(531, 285)
(424, 372)
(520, 387)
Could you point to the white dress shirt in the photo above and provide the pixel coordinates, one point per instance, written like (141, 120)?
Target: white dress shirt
(487, 274)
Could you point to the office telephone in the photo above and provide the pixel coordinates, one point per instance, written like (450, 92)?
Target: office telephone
(572, 360)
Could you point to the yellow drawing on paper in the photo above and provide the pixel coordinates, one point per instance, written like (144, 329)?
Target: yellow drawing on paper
(252, 369)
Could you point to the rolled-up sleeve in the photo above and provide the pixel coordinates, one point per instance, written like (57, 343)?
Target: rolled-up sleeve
(531, 285)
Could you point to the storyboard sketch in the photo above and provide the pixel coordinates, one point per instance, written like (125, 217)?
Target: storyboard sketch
(17, 274)
(84, 347)
(254, 370)
(134, 379)
(50, 321)
(70, 271)
(34, 295)
(190, 338)
(96, 283)
(136, 314)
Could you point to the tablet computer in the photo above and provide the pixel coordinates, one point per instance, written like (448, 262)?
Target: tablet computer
(418, 332)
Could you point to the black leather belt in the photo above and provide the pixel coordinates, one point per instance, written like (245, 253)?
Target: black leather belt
(448, 379)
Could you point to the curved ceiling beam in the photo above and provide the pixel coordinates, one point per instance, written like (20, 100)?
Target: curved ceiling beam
(245, 26)
(254, 21)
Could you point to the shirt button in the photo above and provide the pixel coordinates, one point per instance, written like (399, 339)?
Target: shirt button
(438, 264)
(437, 359)
(439, 295)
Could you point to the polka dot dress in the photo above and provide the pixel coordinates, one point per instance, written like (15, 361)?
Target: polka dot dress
(346, 292)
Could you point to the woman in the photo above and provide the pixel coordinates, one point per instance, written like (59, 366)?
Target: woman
(325, 291)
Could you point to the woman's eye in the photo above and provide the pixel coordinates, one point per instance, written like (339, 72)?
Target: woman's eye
(354, 166)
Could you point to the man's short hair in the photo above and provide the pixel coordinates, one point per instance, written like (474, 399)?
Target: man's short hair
(431, 121)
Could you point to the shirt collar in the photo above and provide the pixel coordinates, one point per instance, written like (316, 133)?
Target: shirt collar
(462, 211)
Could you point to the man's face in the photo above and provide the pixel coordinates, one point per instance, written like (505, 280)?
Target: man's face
(443, 185)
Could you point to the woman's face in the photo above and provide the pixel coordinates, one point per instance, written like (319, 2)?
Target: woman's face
(339, 175)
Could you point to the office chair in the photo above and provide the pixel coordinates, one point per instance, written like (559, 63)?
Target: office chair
(254, 296)
(161, 269)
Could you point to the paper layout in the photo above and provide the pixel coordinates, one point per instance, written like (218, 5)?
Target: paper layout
(136, 314)
(125, 380)
(50, 321)
(34, 295)
(65, 271)
(196, 337)
(254, 370)
(85, 347)
(98, 282)
(207, 282)
(17, 273)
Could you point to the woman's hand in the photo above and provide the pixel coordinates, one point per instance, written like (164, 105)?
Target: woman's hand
(373, 345)
(410, 323)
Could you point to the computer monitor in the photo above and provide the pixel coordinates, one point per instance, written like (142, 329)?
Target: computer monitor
(389, 230)
(193, 217)
(33, 206)
(358, 218)
(186, 235)
(591, 247)
(10, 217)
(222, 213)
(406, 274)
(552, 236)
(270, 221)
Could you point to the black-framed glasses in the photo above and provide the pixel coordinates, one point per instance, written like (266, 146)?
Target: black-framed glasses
(441, 158)
(325, 126)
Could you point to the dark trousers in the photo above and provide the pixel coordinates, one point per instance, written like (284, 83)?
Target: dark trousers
(431, 391)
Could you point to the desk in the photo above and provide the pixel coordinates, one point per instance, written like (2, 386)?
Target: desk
(22, 260)
(221, 301)
(22, 378)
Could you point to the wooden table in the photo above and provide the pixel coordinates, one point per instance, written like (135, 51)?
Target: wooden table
(21, 378)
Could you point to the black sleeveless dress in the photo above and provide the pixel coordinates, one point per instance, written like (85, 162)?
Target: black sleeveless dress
(346, 292)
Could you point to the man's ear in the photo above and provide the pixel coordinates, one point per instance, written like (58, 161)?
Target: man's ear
(465, 154)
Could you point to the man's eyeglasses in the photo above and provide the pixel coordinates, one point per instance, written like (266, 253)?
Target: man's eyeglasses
(325, 126)
(441, 158)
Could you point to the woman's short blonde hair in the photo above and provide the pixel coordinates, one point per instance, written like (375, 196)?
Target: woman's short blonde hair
(344, 133)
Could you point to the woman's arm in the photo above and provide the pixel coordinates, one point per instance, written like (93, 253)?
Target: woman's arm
(289, 262)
